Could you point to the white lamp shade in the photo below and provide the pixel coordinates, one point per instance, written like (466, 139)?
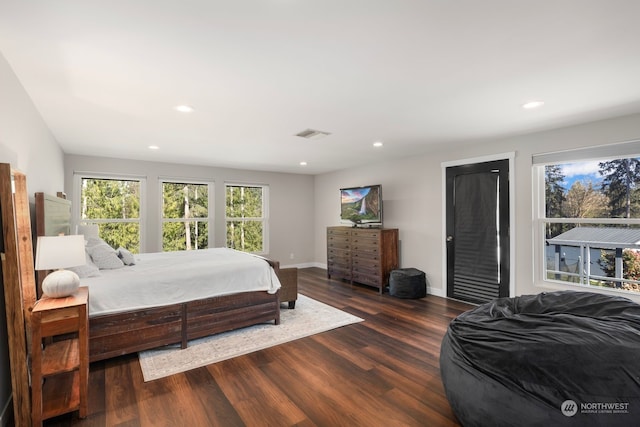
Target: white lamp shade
(55, 252)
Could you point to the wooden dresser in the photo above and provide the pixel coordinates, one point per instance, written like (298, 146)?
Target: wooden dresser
(362, 255)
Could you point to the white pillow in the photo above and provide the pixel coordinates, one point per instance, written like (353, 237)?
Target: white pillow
(103, 255)
(87, 270)
(126, 256)
(90, 241)
(88, 230)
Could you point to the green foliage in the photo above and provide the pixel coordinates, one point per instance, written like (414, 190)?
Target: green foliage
(554, 191)
(185, 201)
(244, 211)
(620, 186)
(125, 234)
(174, 235)
(554, 197)
(244, 202)
(630, 263)
(245, 235)
(185, 211)
(110, 199)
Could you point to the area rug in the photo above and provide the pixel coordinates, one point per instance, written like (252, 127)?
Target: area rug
(308, 318)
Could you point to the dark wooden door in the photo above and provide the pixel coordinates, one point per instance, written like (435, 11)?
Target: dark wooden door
(477, 222)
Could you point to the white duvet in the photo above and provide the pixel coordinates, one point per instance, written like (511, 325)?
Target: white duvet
(165, 278)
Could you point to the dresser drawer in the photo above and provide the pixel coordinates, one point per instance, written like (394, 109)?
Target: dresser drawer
(366, 265)
(336, 271)
(367, 279)
(338, 231)
(338, 254)
(338, 242)
(366, 234)
(339, 261)
(365, 256)
(365, 250)
(365, 241)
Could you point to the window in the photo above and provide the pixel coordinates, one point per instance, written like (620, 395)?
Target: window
(588, 217)
(185, 216)
(246, 217)
(114, 205)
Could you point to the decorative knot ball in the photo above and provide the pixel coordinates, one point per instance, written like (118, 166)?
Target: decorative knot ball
(60, 283)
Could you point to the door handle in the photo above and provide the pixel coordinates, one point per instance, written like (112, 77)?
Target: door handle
(449, 238)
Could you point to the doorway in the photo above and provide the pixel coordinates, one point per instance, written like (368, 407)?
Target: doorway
(477, 231)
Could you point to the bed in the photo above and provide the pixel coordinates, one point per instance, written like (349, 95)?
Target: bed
(149, 311)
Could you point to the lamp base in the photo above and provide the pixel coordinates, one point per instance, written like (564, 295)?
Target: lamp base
(60, 283)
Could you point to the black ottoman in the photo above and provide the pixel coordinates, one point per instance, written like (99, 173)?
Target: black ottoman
(407, 283)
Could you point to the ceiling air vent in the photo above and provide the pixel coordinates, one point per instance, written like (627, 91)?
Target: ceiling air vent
(312, 134)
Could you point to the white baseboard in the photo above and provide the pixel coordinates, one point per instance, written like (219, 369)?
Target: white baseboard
(437, 292)
(7, 413)
(302, 265)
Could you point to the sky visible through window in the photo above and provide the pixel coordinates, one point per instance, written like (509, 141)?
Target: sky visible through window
(588, 171)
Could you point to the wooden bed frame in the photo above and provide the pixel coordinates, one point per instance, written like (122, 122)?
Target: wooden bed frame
(114, 334)
(19, 284)
(132, 331)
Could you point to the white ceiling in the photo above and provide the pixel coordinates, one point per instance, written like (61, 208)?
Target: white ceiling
(106, 75)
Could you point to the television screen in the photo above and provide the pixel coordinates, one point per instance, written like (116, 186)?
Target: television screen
(361, 205)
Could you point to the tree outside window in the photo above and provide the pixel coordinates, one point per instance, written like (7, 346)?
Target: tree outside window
(114, 205)
(185, 216)
(246, 217)
(591, 219)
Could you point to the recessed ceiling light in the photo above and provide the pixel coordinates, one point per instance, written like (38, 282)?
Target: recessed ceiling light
(532, 104)
(184, 108)
(153, 147)
(303, 163)
(377, 144)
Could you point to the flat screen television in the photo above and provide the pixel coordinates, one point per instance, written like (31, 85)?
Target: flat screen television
(361, 205)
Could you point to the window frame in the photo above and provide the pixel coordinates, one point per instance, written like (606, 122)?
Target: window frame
(539, 162)
(210, 210)
(265, 214)
(76, 213)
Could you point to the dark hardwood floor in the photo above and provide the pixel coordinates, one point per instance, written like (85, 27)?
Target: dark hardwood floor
(380, 372)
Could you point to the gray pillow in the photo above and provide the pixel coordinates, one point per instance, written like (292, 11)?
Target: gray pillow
(87, 270)
(126, 256)
(103, 255)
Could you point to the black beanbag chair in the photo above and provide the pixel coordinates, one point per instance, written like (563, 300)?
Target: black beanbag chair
(553, 359)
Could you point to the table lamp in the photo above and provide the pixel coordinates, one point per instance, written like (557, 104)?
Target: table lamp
(57, 253)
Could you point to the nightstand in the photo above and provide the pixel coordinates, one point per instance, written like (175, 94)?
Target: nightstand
(60, 356)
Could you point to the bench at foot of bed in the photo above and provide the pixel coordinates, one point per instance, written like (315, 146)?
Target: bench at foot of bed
(289, 290)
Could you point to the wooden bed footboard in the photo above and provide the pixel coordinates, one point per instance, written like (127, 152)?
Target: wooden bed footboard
(117, 334)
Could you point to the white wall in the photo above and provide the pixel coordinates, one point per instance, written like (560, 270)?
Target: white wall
(412, 193)
(291, 212)
(28, 145)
